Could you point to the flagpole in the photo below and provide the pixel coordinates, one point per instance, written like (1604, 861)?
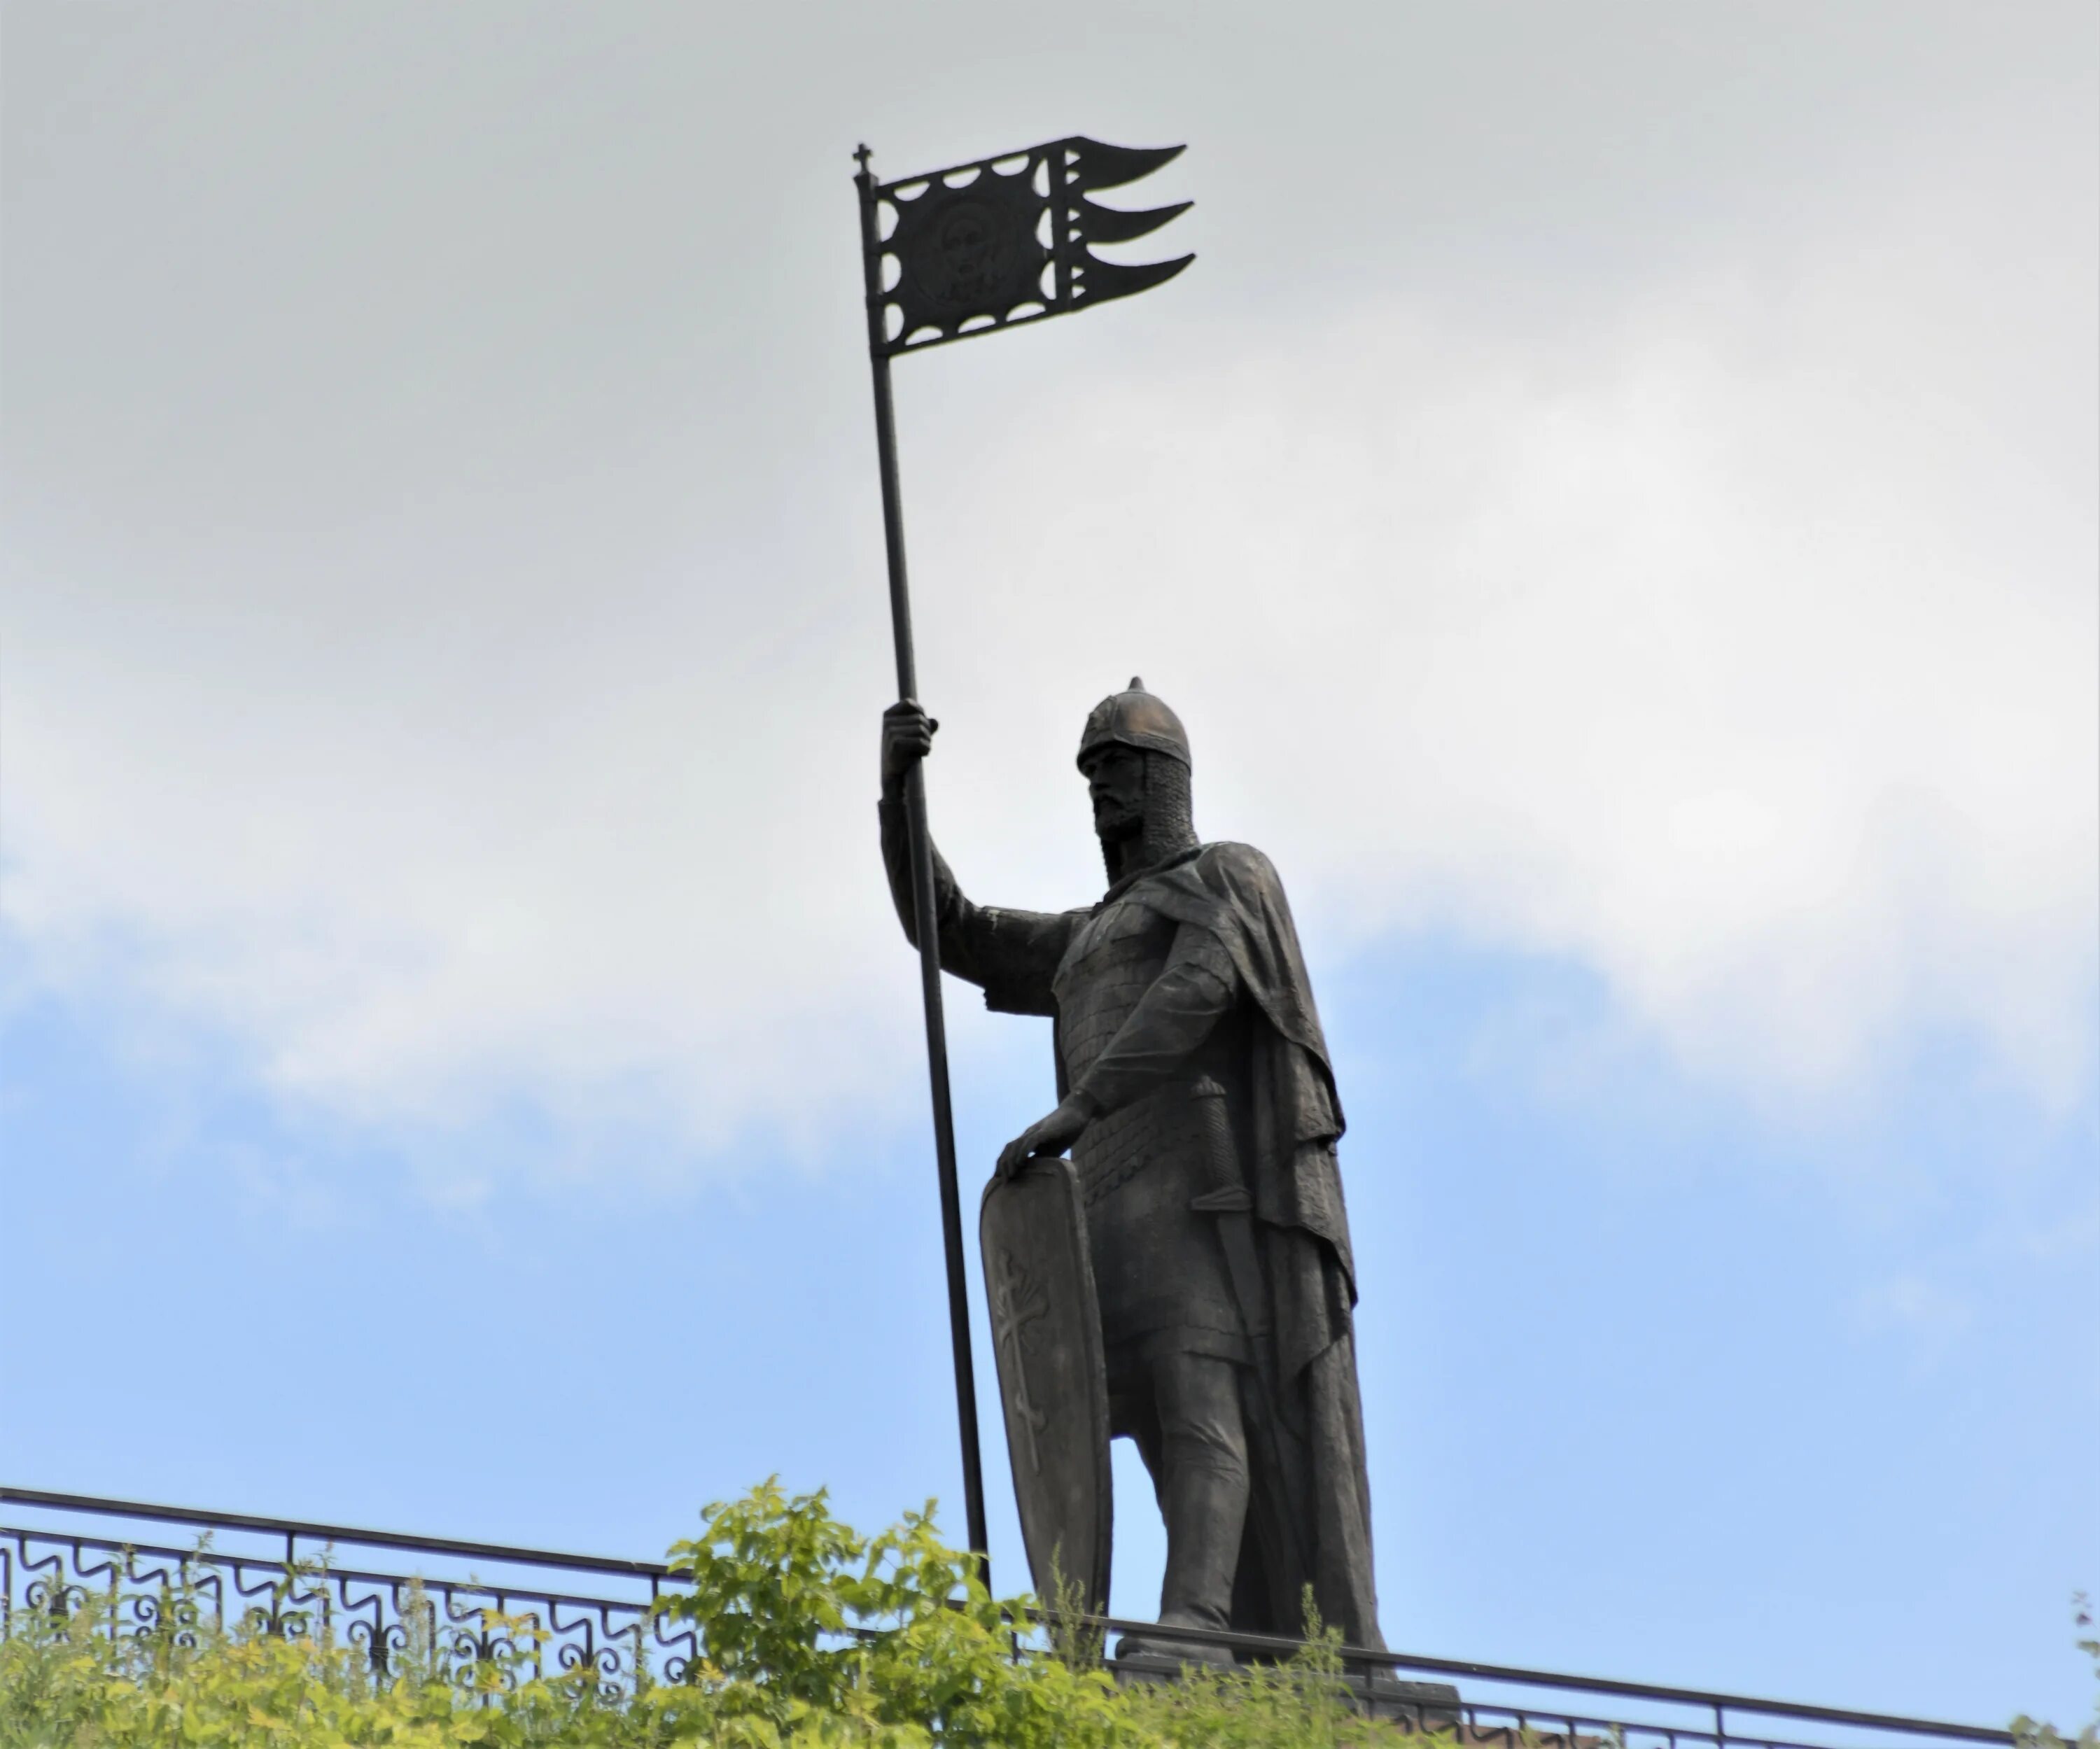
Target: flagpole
(925, 924)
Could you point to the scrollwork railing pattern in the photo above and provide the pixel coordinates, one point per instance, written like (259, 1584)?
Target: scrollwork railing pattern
(428, 1608)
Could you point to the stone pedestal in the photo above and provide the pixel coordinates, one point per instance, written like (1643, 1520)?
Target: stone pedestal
(1424, 1705)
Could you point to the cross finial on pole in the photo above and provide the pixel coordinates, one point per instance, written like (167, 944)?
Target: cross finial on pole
(861, 156)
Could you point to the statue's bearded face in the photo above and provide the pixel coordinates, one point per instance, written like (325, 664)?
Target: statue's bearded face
(1115, 780)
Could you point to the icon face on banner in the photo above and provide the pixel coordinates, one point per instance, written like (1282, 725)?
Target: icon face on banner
(963, 256)
(1005, 240)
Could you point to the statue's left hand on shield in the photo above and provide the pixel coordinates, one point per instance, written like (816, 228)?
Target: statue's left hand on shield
(1048, 1135)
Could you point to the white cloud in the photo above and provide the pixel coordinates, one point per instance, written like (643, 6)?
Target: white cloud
(1732, 635)
(1745, 654)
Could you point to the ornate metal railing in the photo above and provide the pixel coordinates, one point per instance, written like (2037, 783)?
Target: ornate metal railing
(557, 1612)
(596, 1612)
(1504, 1704)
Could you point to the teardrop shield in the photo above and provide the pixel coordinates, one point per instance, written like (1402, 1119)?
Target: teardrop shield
(1045, 1324)
(1006, 241)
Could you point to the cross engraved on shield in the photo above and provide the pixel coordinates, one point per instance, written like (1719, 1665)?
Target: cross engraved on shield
(1016, 1305)
(1052, 1381)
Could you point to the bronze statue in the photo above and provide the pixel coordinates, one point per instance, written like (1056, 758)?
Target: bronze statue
(1199, 1106)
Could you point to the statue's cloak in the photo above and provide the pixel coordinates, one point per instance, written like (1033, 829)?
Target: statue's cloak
(1317, 1509)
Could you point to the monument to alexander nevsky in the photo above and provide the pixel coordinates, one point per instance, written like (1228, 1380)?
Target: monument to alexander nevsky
(1200, 1110)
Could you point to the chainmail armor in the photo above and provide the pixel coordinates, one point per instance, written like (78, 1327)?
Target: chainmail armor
(1111, 964)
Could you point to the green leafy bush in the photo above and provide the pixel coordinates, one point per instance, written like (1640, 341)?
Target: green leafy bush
(2031, 1733)
(809, 1634)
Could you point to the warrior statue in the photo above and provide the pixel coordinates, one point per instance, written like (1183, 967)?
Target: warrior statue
(1198, 1101)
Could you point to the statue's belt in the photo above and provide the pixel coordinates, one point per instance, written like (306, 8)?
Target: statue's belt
(1201, 1119)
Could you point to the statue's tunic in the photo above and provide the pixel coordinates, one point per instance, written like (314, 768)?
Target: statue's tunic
(1182, 1007)
(1144, 1162)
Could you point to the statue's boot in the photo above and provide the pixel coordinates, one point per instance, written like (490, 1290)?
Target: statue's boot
(1158, 1646)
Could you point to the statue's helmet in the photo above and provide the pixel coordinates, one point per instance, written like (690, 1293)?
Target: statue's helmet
(1134, 718)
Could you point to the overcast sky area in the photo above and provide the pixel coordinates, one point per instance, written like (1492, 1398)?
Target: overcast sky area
(1613, 501)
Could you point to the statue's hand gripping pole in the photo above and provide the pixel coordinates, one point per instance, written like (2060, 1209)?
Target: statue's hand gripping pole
(925, 920)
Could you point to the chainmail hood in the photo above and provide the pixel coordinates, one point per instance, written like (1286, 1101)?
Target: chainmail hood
(1170, 822)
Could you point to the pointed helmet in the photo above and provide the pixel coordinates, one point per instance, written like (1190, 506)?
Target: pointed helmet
(1134, 718)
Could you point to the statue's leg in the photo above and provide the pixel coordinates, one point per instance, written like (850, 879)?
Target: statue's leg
(1197, 1454)
(1134, 1416)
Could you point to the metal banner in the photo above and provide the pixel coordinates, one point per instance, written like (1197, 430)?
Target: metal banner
(1046, 1333)
(1005, 240)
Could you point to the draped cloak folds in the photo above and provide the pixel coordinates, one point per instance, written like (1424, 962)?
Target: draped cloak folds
(1309, 1519)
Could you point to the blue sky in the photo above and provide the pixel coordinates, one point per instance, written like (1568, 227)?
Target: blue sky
(1614, 503)
(1653, 1389)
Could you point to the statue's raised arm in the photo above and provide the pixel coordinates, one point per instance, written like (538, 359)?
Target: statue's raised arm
(1012, 956)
